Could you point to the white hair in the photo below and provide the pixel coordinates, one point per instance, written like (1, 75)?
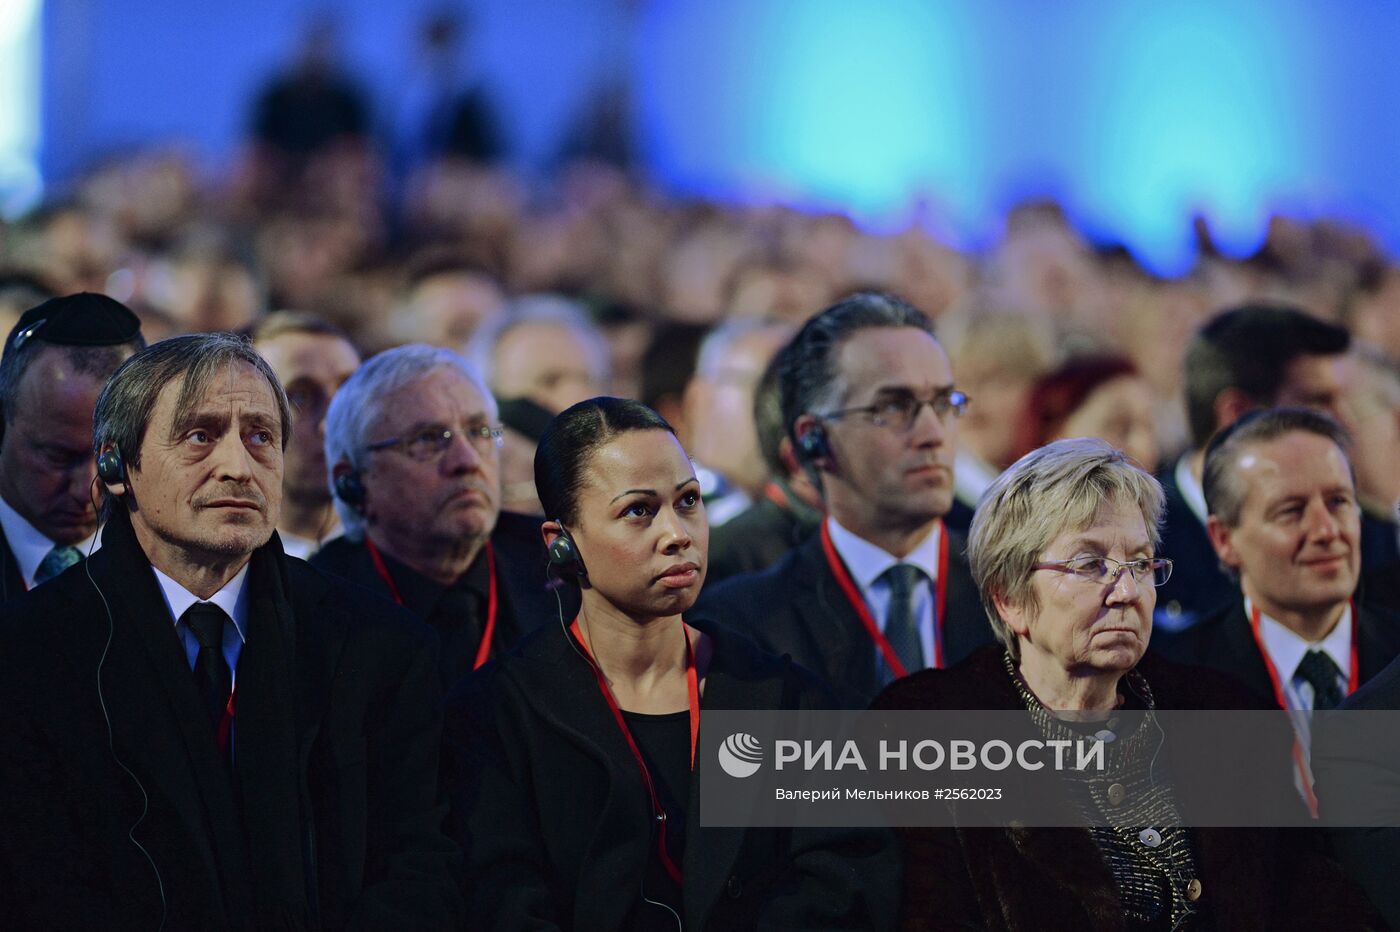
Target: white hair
(359, 403)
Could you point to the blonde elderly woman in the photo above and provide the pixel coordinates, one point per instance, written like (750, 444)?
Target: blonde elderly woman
(1063, 549)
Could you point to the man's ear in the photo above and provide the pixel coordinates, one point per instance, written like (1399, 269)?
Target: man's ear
(119, 488)
(1231, 405)
(1017, 617)
(813, 445)
(1222, 539)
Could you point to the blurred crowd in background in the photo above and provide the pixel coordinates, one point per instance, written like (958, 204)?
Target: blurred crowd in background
(411, 227)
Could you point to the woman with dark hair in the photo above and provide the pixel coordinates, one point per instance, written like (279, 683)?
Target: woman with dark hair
(1102, 396)
(571, 761)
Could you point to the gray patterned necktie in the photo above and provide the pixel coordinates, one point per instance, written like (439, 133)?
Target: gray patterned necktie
(56, 561)
(901, 627)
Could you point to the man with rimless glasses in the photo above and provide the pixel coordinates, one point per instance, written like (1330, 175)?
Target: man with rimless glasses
(413, 442)
(884, 589)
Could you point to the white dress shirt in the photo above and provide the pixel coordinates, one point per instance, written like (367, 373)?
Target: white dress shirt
(30, 547)
(232, 598)
(867, 562)
(1286, 650)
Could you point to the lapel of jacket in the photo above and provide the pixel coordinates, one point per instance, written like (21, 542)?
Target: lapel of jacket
(1377, 640)
(155, 709)
(319, 639)
(266, 752)
(569, 699)
(966, 627)
(830, 621)
(1240, 655)
(711, 850)
(11, 582)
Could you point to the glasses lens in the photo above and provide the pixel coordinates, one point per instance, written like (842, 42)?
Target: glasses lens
(1161, 572)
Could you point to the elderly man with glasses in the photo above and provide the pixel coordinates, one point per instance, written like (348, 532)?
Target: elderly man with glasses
(884, 589)
(413, 442)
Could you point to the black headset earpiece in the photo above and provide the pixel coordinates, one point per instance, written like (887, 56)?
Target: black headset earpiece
(812, 444)
(563, 552)
(110, 467)
(349, 489)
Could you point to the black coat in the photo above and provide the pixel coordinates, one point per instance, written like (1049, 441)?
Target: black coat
(551, 809)
(1053, 879)
(755, 539)
(332, 815)
(797, 608)
(1198, 587)
(527, 591)
(1344, 771)
(11, 582)
(1224, 642)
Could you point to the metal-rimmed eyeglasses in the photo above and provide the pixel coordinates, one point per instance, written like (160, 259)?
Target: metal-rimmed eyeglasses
(427, 443)
(1105, 571)
(899, 410)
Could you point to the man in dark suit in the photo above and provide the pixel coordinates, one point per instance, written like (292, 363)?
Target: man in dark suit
(1249, 357)
(1284, 518)
(788, 510)
(413, 443)
(883, 589)
(56, 360)
(195, 730)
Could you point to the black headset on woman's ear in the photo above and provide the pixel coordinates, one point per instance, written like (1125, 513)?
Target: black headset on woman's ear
(563, 552)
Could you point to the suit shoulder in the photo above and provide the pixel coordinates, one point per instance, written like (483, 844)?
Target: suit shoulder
(366, 612)
(518, 532)
(43, 618)
(739, 591)
(338, 557)
(1177, 685)
(1198, 642)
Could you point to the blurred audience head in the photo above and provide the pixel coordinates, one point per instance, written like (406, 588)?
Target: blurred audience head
(1093, 396)
(719, 401)
(546, 349)
(1257, 356)
(312, 358)
(997, 357)
(447, 301)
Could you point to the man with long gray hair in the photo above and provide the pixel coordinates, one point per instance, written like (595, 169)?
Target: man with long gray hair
(199, 732)
(413, 443)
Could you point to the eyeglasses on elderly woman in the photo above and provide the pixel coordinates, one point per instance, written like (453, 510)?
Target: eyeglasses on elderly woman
(1105, 571)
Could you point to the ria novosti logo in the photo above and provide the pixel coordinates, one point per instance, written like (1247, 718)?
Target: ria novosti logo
(740, 755)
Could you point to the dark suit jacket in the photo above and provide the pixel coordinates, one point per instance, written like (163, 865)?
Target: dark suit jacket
(527, 592)
(797, 608)
(1352, 773)
(11, 582)
(331, 815)
(755, 539)
(1198, 587)
(1224, 642)
(552, 811)
(1052, 879)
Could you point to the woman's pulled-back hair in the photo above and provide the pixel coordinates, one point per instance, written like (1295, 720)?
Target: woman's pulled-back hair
(570, 440)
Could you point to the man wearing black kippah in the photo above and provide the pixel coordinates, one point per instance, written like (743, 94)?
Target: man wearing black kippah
(56, 360)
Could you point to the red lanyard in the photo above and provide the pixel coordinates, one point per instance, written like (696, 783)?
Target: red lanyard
(221, 734)
(1353, 680)
(692, 687)
(483, 651)
(853, 595)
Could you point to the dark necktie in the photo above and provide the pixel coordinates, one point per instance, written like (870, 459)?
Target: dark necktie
(56, 561)
(212, 676)
(901, 627)
(1323, 673)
